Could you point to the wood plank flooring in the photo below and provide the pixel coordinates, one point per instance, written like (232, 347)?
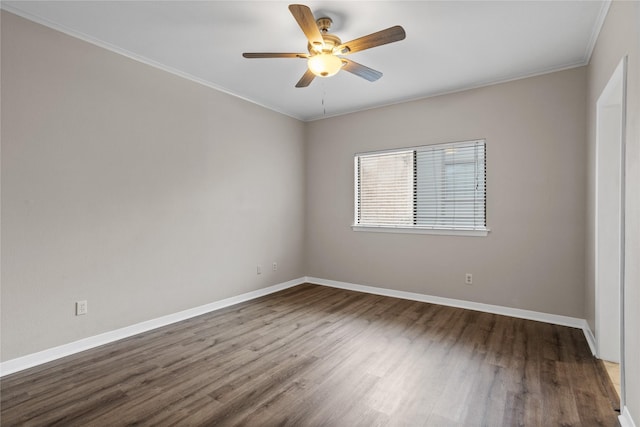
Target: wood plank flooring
(318, 356)
(613, 371)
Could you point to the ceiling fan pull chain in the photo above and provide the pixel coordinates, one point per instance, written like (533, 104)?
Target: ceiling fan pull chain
(324, 108)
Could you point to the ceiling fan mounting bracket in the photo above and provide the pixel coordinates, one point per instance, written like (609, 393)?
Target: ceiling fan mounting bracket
(324, 24)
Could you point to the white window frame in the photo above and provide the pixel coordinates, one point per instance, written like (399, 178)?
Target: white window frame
(415, 229)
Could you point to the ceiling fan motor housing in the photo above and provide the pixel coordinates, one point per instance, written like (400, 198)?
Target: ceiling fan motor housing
(330, 43)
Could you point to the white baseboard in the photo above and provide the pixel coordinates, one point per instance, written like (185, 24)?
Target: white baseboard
(591, 339)
(625, 418)
(555, 319)
(34, 359)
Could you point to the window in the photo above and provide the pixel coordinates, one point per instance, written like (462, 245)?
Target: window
(437, 188)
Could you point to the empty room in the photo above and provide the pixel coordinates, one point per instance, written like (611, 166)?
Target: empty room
(363, 213)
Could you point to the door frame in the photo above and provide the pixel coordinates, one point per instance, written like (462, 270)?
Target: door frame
(617, 80)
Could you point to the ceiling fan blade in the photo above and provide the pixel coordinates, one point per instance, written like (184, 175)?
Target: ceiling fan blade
(390, 35)
(307, 23)
(306, 79)
(361, 71)
(275, 55)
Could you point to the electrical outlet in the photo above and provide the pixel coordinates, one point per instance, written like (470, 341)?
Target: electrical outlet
(259, 269)
(81, 308)
(274, 266)
(468, 279)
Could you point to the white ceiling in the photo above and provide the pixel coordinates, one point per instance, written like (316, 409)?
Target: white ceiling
(450, 45)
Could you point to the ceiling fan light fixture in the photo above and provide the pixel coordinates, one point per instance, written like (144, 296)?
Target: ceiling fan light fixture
(324, 64)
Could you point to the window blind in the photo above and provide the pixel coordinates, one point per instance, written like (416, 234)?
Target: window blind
(440, 187)
(386, 191)
(450, 186)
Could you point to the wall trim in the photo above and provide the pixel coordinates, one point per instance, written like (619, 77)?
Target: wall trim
(555, 319)
(147, 61)
(48, 355)
(591, 339)
(34, 359)
(595, 31)
(131, 55)
(625, 418)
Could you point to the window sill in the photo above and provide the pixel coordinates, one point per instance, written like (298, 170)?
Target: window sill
(412, 230)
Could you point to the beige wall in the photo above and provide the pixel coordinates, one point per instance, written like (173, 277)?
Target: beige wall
(619, 36)
(134, 189)
(533, 257)
(147, 194)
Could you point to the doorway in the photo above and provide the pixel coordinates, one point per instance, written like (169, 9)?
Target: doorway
(609, 219)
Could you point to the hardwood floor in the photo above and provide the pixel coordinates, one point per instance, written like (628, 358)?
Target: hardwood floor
(314, 355)
(613, 370)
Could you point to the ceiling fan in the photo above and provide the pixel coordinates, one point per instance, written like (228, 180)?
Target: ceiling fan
(323, 59)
